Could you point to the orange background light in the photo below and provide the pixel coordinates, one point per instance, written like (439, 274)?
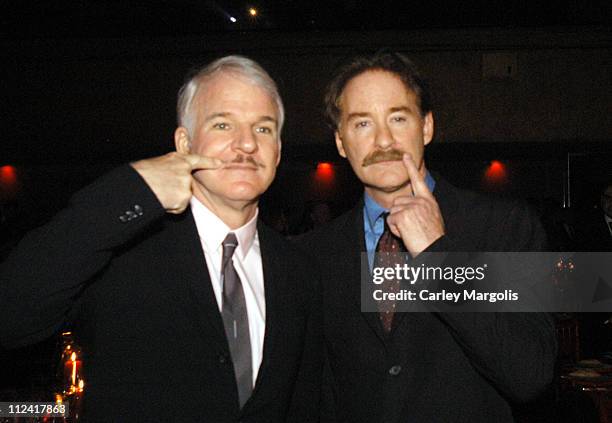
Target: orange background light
(496, 173)
(8, 175)
(323, 182)
(325, 172)
(8, 182)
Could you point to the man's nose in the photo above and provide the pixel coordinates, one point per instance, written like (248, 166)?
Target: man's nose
(245, 141)
(384, 138)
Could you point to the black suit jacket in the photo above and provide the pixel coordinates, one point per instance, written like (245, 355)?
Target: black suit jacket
(435, 367)
(137, 288)
(592, 232)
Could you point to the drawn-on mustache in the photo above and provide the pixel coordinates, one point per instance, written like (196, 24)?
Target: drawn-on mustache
(382, 156)
(247, 159)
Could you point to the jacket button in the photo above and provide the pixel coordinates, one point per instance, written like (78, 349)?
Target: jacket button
(395, 370)
(222, 358)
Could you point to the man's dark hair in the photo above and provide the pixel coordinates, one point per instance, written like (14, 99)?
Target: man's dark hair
(392, 62)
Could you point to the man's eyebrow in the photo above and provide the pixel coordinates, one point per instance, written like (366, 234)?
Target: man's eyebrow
(400, 109)
(264, 118)
(216, 115)
(357, 115)
(267, 118)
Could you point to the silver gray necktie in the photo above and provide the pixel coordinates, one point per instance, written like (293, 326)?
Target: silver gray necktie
(236, 321)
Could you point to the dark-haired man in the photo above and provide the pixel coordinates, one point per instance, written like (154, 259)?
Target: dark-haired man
(416, 367)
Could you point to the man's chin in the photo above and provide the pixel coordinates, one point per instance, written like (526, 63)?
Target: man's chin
(244, 191)
(388, 188)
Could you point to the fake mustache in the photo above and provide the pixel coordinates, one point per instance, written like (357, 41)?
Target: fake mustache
(382, 156)
(247, 159)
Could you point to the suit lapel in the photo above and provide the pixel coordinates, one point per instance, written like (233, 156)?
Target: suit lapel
(353, 241)
(274, 275)
(190, 259)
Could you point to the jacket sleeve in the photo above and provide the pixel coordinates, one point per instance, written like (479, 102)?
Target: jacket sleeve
(515, 352)
(43, 275)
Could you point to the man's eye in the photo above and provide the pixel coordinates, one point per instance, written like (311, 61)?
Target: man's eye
(362, 124)
(398, 119)
(221, 125)
(263, 130)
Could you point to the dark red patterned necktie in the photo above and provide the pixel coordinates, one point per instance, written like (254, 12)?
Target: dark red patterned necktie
(389, 253)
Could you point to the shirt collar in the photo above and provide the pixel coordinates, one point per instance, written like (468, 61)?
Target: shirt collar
(373, 210)
(212, 230)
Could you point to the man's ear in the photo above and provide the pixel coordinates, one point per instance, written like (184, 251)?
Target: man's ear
(428, 128)
(182, 143)
(280, 150)
(339, 145)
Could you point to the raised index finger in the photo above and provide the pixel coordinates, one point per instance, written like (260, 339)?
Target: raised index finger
(419, 186)
(198, 162)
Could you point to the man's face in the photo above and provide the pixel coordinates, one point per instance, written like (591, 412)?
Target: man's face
(236, 122)
(379, 121)
(606, 201)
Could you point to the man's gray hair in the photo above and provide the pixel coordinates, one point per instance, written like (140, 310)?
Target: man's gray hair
(238, 65)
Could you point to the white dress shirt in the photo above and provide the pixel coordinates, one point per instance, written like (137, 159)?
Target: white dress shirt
(247, 261)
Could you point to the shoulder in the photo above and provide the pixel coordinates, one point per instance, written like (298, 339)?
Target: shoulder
(340, 226)
(282, 249)
(332, 244)
(453, 199)
(490, 221)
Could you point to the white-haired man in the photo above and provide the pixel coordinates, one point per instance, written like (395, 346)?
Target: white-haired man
(188, 308)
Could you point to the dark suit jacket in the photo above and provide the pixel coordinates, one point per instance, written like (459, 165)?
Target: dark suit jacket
(435, 367)
(140, 297)
(592, 232)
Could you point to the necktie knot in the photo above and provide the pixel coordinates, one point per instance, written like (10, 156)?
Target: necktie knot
(229, 246)
(388, 242)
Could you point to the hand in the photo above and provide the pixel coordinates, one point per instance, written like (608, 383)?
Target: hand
(169, 177)
(416, 219)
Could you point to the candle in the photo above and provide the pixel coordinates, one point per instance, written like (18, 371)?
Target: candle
(72, 372)
(74, 368)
